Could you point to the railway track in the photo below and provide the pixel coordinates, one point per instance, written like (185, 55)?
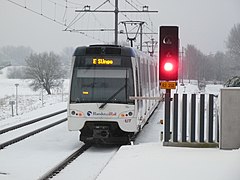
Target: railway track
(51, 173)
(74, 163)
(2, 131)
(30, 128)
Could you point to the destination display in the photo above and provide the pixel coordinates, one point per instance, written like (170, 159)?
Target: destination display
(102, 61)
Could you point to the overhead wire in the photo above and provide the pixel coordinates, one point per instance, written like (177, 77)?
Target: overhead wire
(41, 7)
(55, 11)
(139, 6)
(54, 2)
(97, 20)
(76, 19)
(70, 4)
(151, 29)
(35, 12)
(65, 12)
(89, 36)
(64, 4)
(51, 19)
(139, 2)
(121, 12)
(132, 5)
(74, 3)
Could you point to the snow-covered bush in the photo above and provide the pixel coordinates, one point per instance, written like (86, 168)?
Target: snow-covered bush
(233, 82)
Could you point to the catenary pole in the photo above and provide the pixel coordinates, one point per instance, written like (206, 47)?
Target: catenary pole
(116, 12)
(116, 22)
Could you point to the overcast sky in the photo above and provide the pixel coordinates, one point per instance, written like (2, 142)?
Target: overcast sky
(203, 23)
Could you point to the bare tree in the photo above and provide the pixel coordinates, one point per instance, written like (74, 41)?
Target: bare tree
(233, 42)
(195, 62)
(66, 58)
(233, 45)
(66, 55)
(16, 72)
(46, 71)
(14, 55)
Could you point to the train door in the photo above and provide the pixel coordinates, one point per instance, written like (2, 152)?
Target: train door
(139, 88)
(151, 78)
(148, 64)
(144, 87)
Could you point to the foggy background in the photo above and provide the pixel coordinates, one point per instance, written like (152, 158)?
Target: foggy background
(203, 23)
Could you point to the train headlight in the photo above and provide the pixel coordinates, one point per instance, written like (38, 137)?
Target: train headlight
(75, 113)
(126, 114)
(122, 115)
(80, 114)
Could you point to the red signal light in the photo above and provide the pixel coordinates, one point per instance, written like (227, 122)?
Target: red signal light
(168, 57)
(168, 66)
(169, 69)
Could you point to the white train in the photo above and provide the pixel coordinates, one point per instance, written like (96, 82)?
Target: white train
(103, 77)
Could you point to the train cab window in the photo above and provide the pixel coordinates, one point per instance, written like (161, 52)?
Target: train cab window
(99, 82)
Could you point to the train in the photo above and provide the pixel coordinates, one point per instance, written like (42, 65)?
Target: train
(105, 81)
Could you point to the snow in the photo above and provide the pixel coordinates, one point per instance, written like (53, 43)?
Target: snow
(21, 131)
(89, 164)
(31, 158)
(147, 159)
(28, 100)
(153, 161)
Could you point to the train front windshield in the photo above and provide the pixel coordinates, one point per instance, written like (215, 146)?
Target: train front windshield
(102, 80)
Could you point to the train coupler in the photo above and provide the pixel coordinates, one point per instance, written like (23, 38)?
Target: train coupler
(101, 132)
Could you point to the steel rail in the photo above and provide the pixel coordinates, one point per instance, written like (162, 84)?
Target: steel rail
(57, 169)
(15, 140)
(2, 131)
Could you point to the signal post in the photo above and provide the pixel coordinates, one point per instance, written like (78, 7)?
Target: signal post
(168, 68)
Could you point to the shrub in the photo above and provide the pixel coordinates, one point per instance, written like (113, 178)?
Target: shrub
(233, 82)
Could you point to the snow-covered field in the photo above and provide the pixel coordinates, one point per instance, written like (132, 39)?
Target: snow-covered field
(28, 100)
(148, 159)
(153, 161)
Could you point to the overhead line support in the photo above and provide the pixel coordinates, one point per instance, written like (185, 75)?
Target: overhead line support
(116, 11)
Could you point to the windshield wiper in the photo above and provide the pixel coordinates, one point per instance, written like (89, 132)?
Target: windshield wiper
(116, 93)
(110, 98)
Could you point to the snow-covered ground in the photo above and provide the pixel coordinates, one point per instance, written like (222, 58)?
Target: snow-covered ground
(34, 156)
(28, 100)
(148, 159)
(153, 161)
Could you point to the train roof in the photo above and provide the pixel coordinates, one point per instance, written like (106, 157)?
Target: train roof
(105, 50)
